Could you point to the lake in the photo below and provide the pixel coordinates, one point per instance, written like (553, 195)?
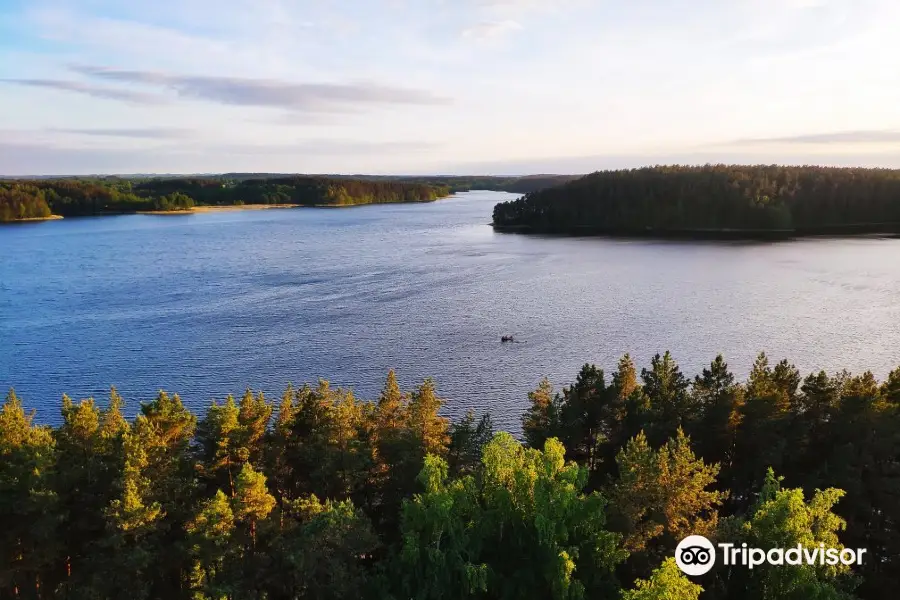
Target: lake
(208, 304)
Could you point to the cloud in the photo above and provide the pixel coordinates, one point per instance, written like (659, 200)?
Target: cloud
(335, 147)
(161, 133)
(96, 91)
(491, 29)
(873, 136)
(242, 91)
(493, 19)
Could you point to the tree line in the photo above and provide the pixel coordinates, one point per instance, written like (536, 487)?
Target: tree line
(713, 198)
(453, 183)
(323, 495)
(466, 183)
(37, 198)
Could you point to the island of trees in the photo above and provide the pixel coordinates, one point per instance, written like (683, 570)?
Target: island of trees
(324, 496)
(713, 200)
(39, 198)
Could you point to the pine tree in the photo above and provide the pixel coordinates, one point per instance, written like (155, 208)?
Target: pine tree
(81, 486)
(280, 441)
(691, 508)
(218, 450)
(636, 496)
(165, 429)
(28, 505)
(132, 520)
(890, 389)
(541, 421)
(173, 425)
(395, 456)
(253, 418)
(427, 427)
(391, 441)
(112, 422)
(719, 401)
(286, 411)
(307, 454)
(209, 534)
(252, 501)
(670, 403)
(624, 380)
(392, 407)
(353, 451)
(467, 440)
(584, 417)
(764, 433)
(662, 496)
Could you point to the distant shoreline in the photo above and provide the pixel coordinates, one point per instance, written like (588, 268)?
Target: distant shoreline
(216, 208)
(93, 197)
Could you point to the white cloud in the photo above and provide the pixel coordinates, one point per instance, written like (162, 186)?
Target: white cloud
(491, 29)
(586, 78)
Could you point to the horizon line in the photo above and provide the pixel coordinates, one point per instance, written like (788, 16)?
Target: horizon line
(438, 174)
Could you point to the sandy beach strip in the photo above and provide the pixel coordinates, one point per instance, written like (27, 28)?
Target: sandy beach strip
(241, 207)
(209, 209)
(34, 219)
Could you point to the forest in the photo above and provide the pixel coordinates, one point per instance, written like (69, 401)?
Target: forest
(465, 183)
(454, 183)
(723, 200)
(39, 198)
(324, 495)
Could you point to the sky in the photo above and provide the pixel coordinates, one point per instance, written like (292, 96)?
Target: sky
(444, 86)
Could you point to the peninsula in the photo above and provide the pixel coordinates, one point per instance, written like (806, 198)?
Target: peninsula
(713, 201)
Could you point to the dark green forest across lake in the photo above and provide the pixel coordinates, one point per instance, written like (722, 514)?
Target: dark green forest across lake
(323, 495)
(22, 199)
(767, 201)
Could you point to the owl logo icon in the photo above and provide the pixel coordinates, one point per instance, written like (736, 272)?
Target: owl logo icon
(695, 555)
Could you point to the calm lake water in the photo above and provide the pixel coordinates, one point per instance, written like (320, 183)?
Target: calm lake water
(208, 304)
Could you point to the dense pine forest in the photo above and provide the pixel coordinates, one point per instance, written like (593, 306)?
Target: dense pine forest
(39, 198)
(713, 200)
(323, 495)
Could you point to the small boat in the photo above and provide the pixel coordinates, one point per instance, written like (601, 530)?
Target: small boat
(507, 338)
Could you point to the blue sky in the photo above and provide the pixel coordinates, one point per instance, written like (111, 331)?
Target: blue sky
(444, 86)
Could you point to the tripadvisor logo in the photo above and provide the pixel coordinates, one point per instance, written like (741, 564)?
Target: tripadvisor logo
(696, 555)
